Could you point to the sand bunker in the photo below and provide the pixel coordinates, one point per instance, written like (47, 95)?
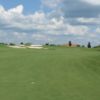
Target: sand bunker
(32, 46)
(16, 47)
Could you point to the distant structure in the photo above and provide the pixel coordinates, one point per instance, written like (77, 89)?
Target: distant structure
(70, 44)
(73, 45)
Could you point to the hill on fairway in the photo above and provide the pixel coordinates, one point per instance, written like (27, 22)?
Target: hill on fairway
(50, 74)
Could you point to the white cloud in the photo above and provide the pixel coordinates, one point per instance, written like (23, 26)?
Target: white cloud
(38, 21)
(51, 3)
(93, 2)
(20, 35)
(37, 26)
(89, 20)
(1, 9)
(77, 30)
(42, 37)
(18, 9)
(98, 30)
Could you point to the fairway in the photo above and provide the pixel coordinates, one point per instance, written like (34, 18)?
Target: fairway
(57, 73)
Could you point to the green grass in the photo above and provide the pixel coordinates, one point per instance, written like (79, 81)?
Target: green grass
(53, 74)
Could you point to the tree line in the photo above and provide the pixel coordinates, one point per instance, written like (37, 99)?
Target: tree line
(88, 45)
(70, 44)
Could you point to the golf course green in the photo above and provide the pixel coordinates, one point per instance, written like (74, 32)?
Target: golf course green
(56, 73)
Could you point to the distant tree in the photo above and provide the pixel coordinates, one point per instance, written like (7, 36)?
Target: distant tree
(97, 46)
(78, 45)
(83, 46)
(3, 44)
(21, 43)
(47, 44)
(52, 45)
(89, 45)
(70, 43)
(12, 44)
(27, 44)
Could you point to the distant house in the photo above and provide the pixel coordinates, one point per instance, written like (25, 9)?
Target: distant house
(73, 45)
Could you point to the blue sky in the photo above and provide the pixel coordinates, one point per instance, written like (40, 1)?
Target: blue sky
(54, 21)
(29, 5)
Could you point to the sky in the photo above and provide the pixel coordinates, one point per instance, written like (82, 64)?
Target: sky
(53, 21)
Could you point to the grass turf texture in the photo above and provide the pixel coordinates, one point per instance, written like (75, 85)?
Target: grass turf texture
(53, 74)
